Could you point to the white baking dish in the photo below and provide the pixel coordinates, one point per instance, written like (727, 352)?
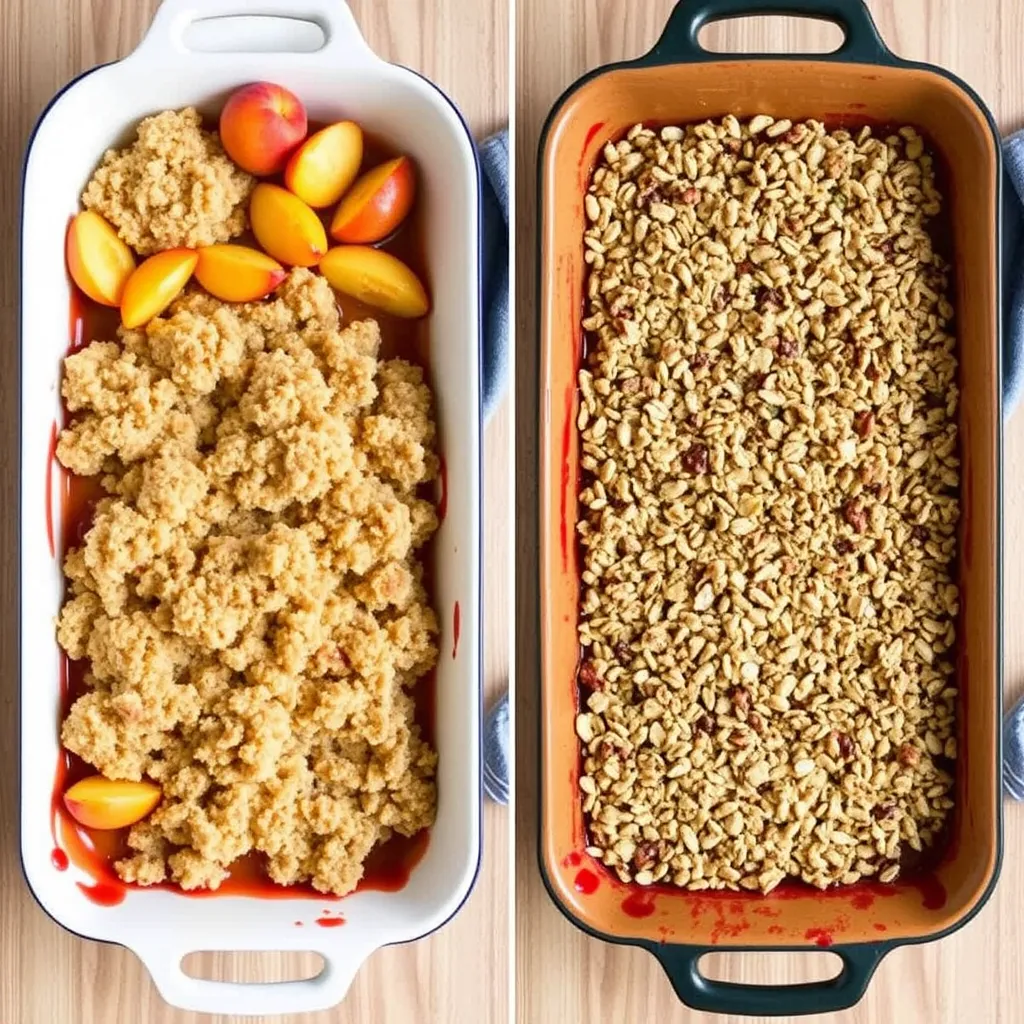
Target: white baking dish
(186, 58)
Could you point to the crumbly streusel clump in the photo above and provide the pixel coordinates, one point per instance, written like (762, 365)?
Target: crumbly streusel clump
(769, 510)
(173, 186)
(248, 594)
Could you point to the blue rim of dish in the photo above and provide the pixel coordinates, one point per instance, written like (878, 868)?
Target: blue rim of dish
(885, 58)
(480, 471)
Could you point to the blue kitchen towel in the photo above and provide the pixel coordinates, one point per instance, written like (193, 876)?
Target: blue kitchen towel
(496, 736)
(1013, 752)
(494, 160)
(1013, 385)
(1013, 273)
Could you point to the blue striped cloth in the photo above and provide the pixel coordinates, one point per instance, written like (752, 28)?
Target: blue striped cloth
(494, 161)
(1013, 385)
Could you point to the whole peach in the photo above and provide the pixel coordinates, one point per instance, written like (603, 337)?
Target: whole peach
(260, 126)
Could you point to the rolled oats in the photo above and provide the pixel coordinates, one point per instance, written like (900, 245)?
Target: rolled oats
(769, 506)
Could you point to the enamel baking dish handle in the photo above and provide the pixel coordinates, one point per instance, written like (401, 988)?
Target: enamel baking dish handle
(678, 42)
(256, 26)
(682, 965)
(257, 999)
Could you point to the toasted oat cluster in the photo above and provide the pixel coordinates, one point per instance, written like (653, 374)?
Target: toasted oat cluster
(173, 186)
(248, 595)
(769, 506)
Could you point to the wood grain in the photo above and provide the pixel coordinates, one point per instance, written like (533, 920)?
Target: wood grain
(562, 976)
(457, 976)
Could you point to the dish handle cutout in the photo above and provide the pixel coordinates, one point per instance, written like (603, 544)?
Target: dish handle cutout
(679, 43)
(341, 959)
(697, 991)
(321, 31)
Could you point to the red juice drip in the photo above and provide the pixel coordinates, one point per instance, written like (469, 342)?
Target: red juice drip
(586, 882)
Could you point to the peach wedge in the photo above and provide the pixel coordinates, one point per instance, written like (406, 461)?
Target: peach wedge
(155, 284)
(378, 202)
(286, 227)
(99, 802)
(237, 273)
(98, 261)
(322, 168)
(376, 278)
(260, 125)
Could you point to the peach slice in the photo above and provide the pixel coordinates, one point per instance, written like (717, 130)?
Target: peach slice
(260, 125)
(379, 201)
(376, 278)
(286, 227)
(324, 166)
(99, 802)
(237, 273)
(98, 261)
(155, 284)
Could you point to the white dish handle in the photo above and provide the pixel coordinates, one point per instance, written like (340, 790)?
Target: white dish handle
(256, 999)
(343, 42)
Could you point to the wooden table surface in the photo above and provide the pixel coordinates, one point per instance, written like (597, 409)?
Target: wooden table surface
(562, 976)
(47, 976)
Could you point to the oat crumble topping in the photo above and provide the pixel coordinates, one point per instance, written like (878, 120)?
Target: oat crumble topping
(249, 594)
(174, 186)
(769, 506)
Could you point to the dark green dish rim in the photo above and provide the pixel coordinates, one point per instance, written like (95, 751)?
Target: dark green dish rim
(861, 45)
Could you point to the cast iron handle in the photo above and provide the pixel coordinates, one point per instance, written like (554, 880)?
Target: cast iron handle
(861, 41)
(681, 963)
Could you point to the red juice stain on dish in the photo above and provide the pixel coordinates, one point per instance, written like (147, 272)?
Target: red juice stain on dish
(330, 922)
(442, 476)
(585, 164)
(881, 928)
(51, 460)
(585, 882)
(104, 894)
(933, 892)
(638, 904)
(298, 924)
(574, 860)
(775, 929)
(727, 930)
(456, 624)
(566, 445)
(819, 936)
(59, 859)
(591, 132)
(862, 900)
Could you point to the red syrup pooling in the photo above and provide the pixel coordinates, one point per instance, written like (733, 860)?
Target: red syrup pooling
(586, 882)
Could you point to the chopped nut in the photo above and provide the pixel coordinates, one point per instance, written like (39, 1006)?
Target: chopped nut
(646, 856)
(589, 678)
(864, 423)
(706, 724)
(855, 514)
(695, 458)
(908, 755)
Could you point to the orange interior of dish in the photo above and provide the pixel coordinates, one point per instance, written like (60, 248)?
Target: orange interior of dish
(605, 108)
